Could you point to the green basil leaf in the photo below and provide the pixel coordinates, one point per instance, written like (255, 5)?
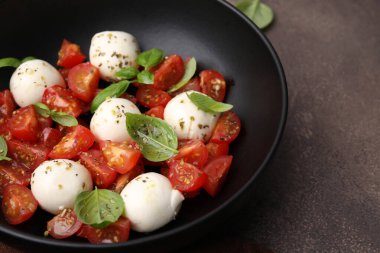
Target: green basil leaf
(3, 149)
(9, 62)
(114, 90)
(261, 14)
(127, 73)
(99, 207)
(150, 58)
(154, 136)
(28, 58)
(64, 119)
(190, 68)
(145, 77)
(42, 109)
(207, 104)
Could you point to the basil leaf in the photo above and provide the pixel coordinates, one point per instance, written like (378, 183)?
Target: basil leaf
(207, 104)
(150, 58)
(261, 14)
(145, 77)
(3, 149)
(42, 109)
(114, 90)
(28, 58)
(9, 62)
(64, 119)
(127, 73)
(155, 137)
(99, 207)
(190, 68)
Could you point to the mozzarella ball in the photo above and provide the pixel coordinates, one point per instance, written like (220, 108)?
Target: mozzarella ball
(109, 122)
(55, 184)
(188, 121)
(150, 202)
(111, 51)
(30, 80)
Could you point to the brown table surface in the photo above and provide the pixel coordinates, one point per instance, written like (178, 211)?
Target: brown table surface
(321, 192)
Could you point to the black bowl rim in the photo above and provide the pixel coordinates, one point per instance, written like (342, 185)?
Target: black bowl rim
(150, 238)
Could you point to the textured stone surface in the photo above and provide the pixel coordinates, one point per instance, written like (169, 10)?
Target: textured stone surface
(321, 192)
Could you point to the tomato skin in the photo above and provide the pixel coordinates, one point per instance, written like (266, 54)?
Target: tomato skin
(44, 122)
(121, 157)
(61, 99)
(216, 171)
(7, 104)
(24, 124)
(69, 55)
(30, 155)
(213, 84)
(185, 177)
(77, 140)
(12, 172)
(217, 149)
(102, 175)
(123, 179)
(169, 72)
(18, 204)
(193, 84)
(130, 97)
(227, 128)
(151, 97)
(114, 233)
(64, 73)
(193, 152)
(50, 137)
(157, 112)
(64, 224)
(83, 80)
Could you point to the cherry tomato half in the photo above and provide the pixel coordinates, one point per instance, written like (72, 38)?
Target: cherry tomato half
(193, 84)
(185, 177)
(50, 137)
(12, 172)
(157, 112)
(169, 72)
(64, 224)
(29, 155)
(69, 55)
(24, 124)
(83, 80)
(216, 171)
(123, 179)
(151, 97)
(213, 84)
(227, 128)
(61, 99)
(217, 149)
(7, 104)
(193, 152)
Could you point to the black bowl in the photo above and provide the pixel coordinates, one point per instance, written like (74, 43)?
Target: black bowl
(217, 35)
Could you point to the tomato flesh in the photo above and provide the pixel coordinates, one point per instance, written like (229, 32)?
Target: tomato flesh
(217, 149)
(61, 99)
(30, 155)
(50, 137)
(169, 72)
(157, 112)
(227, 128)
(213, 84)
(123, 179)
(18, 204)
(12, 172)
(7, 104)
(122, 157)
(193, 152)
(24, 124)
(151, 97)
(102, 175)
(64, 224)
(83, 80)
(185, 177)
(77, 140)
(216, 171)
(69, 55)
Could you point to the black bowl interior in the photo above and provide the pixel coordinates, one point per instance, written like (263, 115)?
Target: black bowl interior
(217, 35)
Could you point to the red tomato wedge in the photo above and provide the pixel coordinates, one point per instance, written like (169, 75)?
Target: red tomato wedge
(12, 172)
(50, 137)
(18, 204)
(213, 84)
(83, 80)
(185, 177)
(193, 152)
(64, 224)
(151, 97)
(61, 99)
(24, 124)
(216, 171)
(169, 72)
(30, 155)
(102, 175)
(77, 140)
(114, 233)
(227, 128)
(123, 179)
(193, 84)
(64, 73)
(69, 55)
(157, 112)
(44, 122)
(7, 104)
(217, 149)
(122, 157)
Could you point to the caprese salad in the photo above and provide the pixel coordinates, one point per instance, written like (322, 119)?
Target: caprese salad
(113, 144)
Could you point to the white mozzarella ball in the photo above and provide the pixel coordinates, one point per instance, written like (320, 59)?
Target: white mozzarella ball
(112, 50)
(30, 80)
(55, 184)
(109, 122)
(150, 202)
(188, 121)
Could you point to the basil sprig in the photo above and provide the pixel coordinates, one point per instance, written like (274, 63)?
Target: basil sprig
(61, 118)
(114, 90)
(261, 14)
(127, 73)
(13, 62)
(207, 104)
(150, 58)
(154, 136)
(190, 69)
(145, 77)
(3, 150)
(99, 207)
